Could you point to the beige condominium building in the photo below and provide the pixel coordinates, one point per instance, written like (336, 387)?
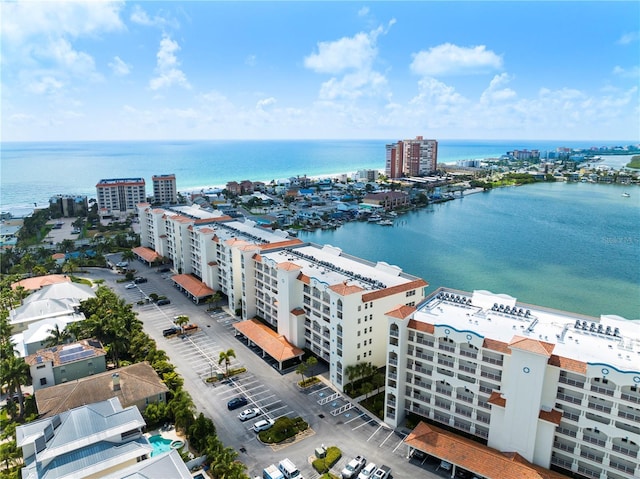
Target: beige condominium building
(559, 389)
(164, 189)
(307, 295)
(119, 196)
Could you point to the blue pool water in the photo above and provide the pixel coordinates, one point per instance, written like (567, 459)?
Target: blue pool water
(159, 444)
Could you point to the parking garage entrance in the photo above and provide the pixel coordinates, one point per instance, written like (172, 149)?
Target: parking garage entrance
(271, 343)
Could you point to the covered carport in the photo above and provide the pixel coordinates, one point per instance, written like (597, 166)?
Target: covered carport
(146, 255)
(481, 461)
(272, 344)
(192, 287)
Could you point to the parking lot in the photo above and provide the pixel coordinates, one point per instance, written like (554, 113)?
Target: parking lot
(332, 418)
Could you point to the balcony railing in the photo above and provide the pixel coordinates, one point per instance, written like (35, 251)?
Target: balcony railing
(621, 466)
(591, 456)
(601, 390)
(599, 407)
(567, 432)
(593, 440)
(630, 397)
(446, 347)
(469, 354)
(571, 382)
(624, 450)
(564, 447)
(490, 360)
(568, 398)
(628, 415)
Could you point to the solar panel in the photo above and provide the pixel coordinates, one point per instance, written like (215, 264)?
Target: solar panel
(76, 355)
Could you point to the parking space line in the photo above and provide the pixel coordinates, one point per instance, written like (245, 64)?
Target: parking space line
(374, 433)
(385, 439)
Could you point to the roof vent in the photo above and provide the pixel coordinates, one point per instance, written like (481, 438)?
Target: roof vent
(115, 379)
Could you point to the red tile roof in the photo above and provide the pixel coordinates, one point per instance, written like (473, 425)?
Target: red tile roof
(474, 457)
(38, 282)
(382, 293)
(553, 416)
(193, 285)
(402, 311)
(146, 254)
(497, 399)
(274, 344)
(345, 289)
(420, 326)
(496, 345)
(532, 345)
(573, 365)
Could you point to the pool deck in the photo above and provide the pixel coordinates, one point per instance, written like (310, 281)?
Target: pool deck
(170, 434)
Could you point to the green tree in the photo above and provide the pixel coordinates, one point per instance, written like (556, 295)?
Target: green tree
(225, 356)
(199, 432)
(301, 370)
(14, 372)
(57, 336)
(181, 321)
(128, 255)
(311, 363)
(182, 408)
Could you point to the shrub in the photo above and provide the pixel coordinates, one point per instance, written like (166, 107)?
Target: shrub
(283, 428)
(324, 464)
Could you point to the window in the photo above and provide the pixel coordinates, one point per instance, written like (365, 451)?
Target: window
(41, 366)
(358, 358)
(358, 345)
(358, 333)
(370, 328)
(359, 308)
(365, 354)
(359, 319)
(411, 293)
(43, 381)
(366, 305)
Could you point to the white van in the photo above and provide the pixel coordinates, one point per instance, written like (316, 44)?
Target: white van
(289, 469)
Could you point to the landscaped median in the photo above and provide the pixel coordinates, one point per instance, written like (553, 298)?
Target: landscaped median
(284, 429)
(331, 455)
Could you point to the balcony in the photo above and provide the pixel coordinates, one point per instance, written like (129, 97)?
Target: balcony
(591, 456)
(568, 398)
(445, 362)
(593, 440)
(467, 369)
(599, 407)
(566, 431)
(490, 375)
(490, 360)
(571, 382)
(469, 354)
(634, 398)
(602, 390)
(621, 466)
(629, 415)
(463, 412)
(625, 450)
(447, 347)
(564, 447)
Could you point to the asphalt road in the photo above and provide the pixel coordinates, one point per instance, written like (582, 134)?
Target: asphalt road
(195, 357)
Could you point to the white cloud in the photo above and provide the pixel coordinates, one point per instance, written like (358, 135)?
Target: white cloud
(44, 85)
(250, 60)
(628, 38)
(266, 102)
(23, 20)
(141, 17)
(633, 72)
(363, 12)
(352, 57)
(495, 92)
(347, 53)
(71, 61)
(449, 59)
(167, 70)
(119, 67)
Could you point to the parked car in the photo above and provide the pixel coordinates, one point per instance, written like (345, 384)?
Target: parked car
(367, 471)
(383, 472)
(163, 302)
(140, 280)
(170, 331)
(249, 414)
(236, 403)
(263, 425)
(130, 286)
(353, 467)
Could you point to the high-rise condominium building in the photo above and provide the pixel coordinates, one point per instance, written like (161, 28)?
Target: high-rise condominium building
(118, 196)
(560, 389)
(414, 157)
(164, 189)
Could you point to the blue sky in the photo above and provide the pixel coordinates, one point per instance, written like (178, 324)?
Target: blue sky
(306, 70)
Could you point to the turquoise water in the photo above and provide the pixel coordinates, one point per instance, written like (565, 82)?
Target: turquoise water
(33, 172)
(159, 444)
(574, 247)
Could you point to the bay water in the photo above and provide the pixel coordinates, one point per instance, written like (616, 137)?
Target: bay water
(574, 247)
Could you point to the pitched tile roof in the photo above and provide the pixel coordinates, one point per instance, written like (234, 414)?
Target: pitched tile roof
(496, 345)
(532, 345)
(146, 254)
(345, 289)
(40, 281)
(274, 344)
(569, 364)
(497, 399)
(382, 293)
(421, 326)
(475, 457)
(193, 285)
(137, 382)
(401, 311)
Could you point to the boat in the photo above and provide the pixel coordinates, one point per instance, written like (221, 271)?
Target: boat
(385, 223)
(374, 218)
(626, 195)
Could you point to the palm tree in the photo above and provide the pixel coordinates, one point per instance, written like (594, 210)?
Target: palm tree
(57, 336)
(311, 363)
(301, 370)
(14, 372)
(225, 356)
(181, 320)
(128, 255)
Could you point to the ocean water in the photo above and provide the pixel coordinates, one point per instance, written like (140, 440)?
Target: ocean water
(574, 247)
(34, 172)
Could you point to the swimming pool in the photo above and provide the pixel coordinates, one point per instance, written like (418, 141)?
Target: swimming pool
(159, 444)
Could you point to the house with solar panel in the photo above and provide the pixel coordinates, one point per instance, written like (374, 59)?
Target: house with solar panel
(68, 362)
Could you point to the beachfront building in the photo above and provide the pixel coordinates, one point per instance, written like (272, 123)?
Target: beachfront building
(68, 206)
(558, 389)
(389, 200)
(290, 294)
(119, 196)
(164, 189)
(412, 157)
(59, 364)
(324, 300)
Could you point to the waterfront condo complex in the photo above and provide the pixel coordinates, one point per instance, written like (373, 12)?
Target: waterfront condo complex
(309, 296)
(413, 157)
(556, 389)
(118, 196)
